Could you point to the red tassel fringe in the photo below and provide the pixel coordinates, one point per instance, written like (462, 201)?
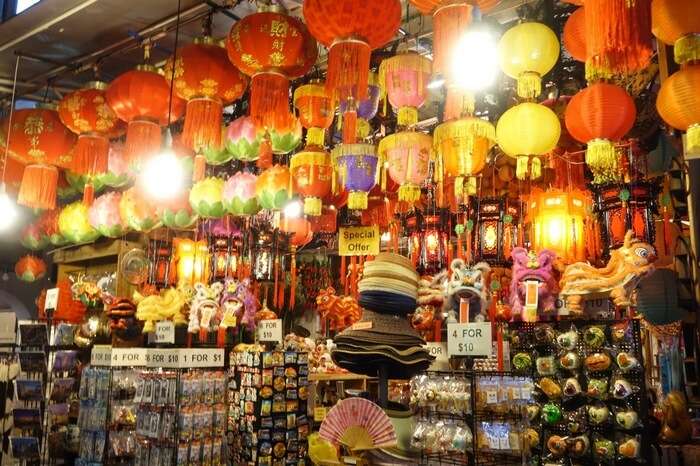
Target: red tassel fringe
(143, 140)
(200, 167)
(38, 187)
(269, 100)
(91, 154)
(348, 69)
(203, 122)
(350, 127)
(88, 194)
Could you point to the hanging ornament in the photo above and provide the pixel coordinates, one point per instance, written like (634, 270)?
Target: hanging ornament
(273, 187)
(300, 234)
(104, 215)
(137, 212)
(177, 213)
(365, 110)
(356, 167)
(243, 139)
(286, 137)
(526, 132)
(407, 155)
(574, 36)
(30, 269)
(33, 237)
(312, 174)
(678, 104)
(316, 110)
(404, 79)
(73, 224)
(206, 198)
(239, 196)
(118, 172)
(677, 23)
(49, 225)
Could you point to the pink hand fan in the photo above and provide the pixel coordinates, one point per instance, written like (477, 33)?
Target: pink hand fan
(358, 424)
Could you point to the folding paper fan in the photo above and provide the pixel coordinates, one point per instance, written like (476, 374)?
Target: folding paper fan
(321, 451)
(358, 424)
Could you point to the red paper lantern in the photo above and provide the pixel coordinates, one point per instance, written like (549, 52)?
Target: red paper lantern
(86, 113)
(207, 80)
(39, 139)
(271, 48)
(141, 97)
(30, 268)
(316, 111)
(574, 37)
(13, 171)
(312, 173)
(598, 115)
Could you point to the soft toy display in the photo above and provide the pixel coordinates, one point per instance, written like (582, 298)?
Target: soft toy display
(205, 312)
(122, 322)
(341, 311)
(168, 305)
(676, 427)
(238, 304)
(628, 264)
(469, 282)
(533, 286)
(431, 298)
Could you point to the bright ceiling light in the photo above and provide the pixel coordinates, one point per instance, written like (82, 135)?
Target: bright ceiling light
(475, 60)
(163, 176)
(8, 210)
(293, 209)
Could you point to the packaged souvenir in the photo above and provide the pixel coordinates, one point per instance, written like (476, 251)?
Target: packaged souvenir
(626, 362)
(522, 362)
(571, 387)
(578, 446)
(533, 412)
(551, 413)
(619, 332)
(576, 420)
(545, 334)
(597, 388)
(603, 449)
(628, 447)
(550, 387)
(556, 445)
(621, 388)
(627, 419)
(594, 337)
(569, 361)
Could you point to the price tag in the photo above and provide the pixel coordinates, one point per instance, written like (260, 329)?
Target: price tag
(491, 397)
(165, 332)
(270, 330)
(320, 413)
(469, 339)
(101, 355)
(526, 393)
(185, 358)
(128, 357)
(439, 351)
(51, 300)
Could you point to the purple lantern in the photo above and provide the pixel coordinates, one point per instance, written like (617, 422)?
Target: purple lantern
(356, 166)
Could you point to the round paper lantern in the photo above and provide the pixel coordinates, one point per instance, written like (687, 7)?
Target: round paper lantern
(271, 48)
(86, 113)
(404, 78)
(677, 23)
(428, 6)
(526, 53)
(599, 115)
(299, 229)
(49, 224)
(137, 212)
(678, 104)
(287, 137)
(73, 224)
(141, 98)
(104, 215)
(118, 173)
(239, 194)
(526, 132)
(356, 166)
(312, 174)
(207, 80)
(351, 29)
(408, 157)
(33, 237)
(30, 268)
(42, 142)
(316, 110)
(243, 139)
(273, 187)
(177, 213)
(574, 37)
(206, 198)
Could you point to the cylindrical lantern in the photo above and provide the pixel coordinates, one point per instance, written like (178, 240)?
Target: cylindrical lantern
(408, 156)
(87, 114)
(271, 48)
(527, 132)
(243, 139)
(428, 242)
(677, 23)
(73, 224)
(312, 175)
(356, 169)
(316, 111)
(364, 110)
(137, 212)
(678, 103)
(193, 261)
(574, 36)
(239, 194)
(177, 214)
(30, 269)
(33, 236)
(556, 220)
(207, 80)
(404, 79)
(274, 187)
(527, 52)
(205, 198)
(599, 115)
(141, 97)
(104, 215)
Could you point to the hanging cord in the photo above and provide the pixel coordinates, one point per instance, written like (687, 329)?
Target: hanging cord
(172, 74)
(9, 124)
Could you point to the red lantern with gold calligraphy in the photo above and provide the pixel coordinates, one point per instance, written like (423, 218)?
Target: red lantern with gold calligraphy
(316, 111)
(312, 173)
(39, 139)
(141, 97)
(271, 48)
(207, 80)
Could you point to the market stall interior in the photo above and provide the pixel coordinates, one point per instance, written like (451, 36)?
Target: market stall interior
(379, 232)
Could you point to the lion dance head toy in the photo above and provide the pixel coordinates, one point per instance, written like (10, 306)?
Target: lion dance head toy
(533, 286)
(469, 282)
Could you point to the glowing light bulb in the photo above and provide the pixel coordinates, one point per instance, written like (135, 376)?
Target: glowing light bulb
(386, 237)
(8, 210)
(475, 60)
(293, 209)
(162, 176)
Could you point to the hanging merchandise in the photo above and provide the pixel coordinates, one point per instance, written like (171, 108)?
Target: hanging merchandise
(428, 241)
(243, 139)
(676, 23)
(177, 213)
(300, 234)
(104, 215)
(30, 269)
(239, 196)
(407, 155)
(574, 36)
(527, 132)
(119, 172)
(404, 79)
(600, 115)
(39, 139)
(356, 168)
(366, 109)
(33, 236)
(49, 226)
(286, 137)
(206, 198)
(312, 174)
(273, 187)
(137, 211)
(73, 224)
(271, 47)
(316, 110)
(678, 104)
(527, 52)
(497, 228)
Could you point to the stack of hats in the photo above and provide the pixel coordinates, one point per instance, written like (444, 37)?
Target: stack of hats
(384, 337)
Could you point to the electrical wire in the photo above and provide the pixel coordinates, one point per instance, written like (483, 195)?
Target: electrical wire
(9, 122)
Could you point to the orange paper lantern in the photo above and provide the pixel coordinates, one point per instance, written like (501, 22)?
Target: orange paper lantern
(574, 37)
(316, 111)
(678, 103)
(312, 173)
(677, 23)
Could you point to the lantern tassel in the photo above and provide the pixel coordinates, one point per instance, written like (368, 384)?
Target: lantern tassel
(348, 69)
(203, 120)
(692, 139)
(200, 166)
(350, 127)
(357, 200)
(91, 154)
(602, 159)
(535, 168)
(687, 49)
(143, 139)
(521, 167)
(529, 85)
(313, 206)
(264, 154)
(269, 100)
(407, 116)
(88, 194)
(409, 193)
(39, 186)
(315, 137)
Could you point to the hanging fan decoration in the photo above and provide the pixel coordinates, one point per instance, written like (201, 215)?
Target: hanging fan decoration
(358, 424)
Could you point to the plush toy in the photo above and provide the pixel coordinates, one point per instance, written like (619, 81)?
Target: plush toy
(469, 282)
(238, 304)
(167, 305)
(342, 311)
(205, 312)
(529, 267)
(626, 267)
(676, 427)
(431, 298)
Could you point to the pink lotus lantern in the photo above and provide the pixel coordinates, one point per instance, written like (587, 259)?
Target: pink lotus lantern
(177, 213)
(33, 237)
(118, 174)
(404, 78)
(239, 194)
(104, 215)
(356, 166)
(243, 139)
(137, 212)
(407, 155)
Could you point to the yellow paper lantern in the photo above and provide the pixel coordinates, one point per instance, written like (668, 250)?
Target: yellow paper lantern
(526, 53)
(527, 132)
(193, 261)
(556, 220)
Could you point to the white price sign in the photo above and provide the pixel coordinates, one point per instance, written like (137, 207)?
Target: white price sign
(439, 351)
(165, 332)
(185, 358)
(270, 330)
(128, 357)
(469, 339)
(51, 299)
(101, 355)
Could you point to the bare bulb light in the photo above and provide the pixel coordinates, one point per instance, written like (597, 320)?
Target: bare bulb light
(293, 209)
(163, 176)
(475, 60)
(8, 210)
